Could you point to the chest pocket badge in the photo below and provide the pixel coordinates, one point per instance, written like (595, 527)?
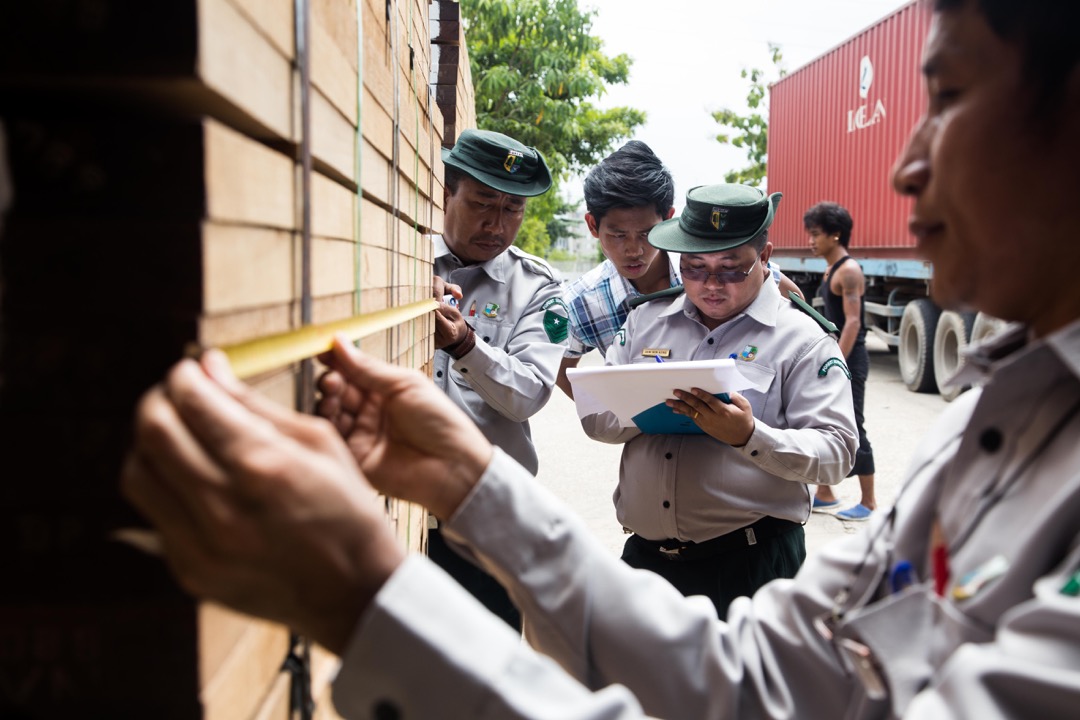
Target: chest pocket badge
(556, 320)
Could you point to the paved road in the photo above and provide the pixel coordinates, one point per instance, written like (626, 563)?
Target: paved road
(584, 472)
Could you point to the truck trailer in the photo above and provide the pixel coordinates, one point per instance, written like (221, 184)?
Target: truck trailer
(836, 126)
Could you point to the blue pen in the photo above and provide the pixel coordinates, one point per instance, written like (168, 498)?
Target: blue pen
(902, 576)
(658, 358)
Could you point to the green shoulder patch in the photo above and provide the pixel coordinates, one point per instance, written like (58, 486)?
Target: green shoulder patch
(1072, 585)
(814, 315)
(642, 299)
(556, 320)
(832, 363)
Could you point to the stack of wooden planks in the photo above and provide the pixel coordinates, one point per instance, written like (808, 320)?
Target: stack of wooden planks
(186, 173)
(451, 76)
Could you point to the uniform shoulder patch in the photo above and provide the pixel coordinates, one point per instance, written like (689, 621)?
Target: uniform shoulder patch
(642, 299)
(833, 363)
(814, 315)
(556, 319)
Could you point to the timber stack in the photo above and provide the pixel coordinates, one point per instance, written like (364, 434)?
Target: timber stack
(176, 174)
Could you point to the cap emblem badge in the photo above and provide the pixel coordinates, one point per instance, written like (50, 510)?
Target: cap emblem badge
(513, 161)
(719, 217)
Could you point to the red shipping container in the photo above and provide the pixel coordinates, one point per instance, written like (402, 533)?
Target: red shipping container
(837, 125)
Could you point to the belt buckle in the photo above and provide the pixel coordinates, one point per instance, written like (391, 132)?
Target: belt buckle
(671, 553)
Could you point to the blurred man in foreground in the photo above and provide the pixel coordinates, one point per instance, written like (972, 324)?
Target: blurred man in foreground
(962, 601)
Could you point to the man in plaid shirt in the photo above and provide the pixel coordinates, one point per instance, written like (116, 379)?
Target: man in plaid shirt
(628, 193)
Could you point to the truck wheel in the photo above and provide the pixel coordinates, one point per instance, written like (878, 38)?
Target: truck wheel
(916, 356)
(985, 326)
(950, 339)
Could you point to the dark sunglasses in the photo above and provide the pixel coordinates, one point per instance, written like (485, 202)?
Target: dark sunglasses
(722, 276)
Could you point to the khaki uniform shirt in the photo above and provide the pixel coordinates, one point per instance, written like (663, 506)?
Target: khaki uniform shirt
(694, 487)
(1001, 473)
(514, 304)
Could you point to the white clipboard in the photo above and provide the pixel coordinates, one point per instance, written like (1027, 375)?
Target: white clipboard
(627, 390)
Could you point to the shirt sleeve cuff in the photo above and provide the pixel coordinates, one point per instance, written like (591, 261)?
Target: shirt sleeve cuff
(759, 448)
(423, 642)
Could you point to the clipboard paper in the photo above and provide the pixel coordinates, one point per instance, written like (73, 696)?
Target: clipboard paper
(633, 392)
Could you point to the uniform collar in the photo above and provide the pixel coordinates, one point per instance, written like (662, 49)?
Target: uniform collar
(496, 268)
(981, 359)
(762, 310)
(1066, 344)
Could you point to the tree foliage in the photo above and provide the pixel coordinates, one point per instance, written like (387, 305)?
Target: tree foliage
(751, 131)
(546, 221)
(537, 70)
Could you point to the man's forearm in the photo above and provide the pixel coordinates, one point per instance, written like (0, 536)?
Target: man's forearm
(848, 336)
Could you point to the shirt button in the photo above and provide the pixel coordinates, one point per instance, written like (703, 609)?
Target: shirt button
(386, 710)
(753, 453)
(667, 456)
(667, 504)
(990, 440)
(711, 340)
(464, 370)
(438, 374)
(487, 338)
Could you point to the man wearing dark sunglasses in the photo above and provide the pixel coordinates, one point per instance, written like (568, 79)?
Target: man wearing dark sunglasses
(718, 509)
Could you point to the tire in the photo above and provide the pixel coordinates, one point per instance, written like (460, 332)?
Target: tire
(950, 339)
(985, 327)
(916, 355)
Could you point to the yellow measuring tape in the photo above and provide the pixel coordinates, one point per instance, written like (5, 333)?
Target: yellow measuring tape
(275, 351)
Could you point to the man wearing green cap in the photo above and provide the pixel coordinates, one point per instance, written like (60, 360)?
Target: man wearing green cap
(626, 195)
(720, 512)
(500, 345)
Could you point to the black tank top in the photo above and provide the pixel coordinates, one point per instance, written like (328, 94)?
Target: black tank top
(834, 304)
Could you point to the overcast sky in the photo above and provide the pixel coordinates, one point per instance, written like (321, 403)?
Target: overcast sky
(687, 58)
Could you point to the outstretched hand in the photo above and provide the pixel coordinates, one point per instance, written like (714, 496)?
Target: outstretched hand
(259, 507)
(409, 439)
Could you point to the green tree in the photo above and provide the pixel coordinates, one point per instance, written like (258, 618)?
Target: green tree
(751, 131)
(537, 70)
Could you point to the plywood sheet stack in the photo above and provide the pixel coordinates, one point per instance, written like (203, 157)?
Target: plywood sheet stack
(451, 76)
(156, 156)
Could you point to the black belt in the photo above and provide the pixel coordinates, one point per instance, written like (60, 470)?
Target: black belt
(764, 529)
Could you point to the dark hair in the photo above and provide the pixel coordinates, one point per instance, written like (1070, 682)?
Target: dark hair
(830, 217)
(452, 177)
(632, 176)
(759, 241)
(1048, 33)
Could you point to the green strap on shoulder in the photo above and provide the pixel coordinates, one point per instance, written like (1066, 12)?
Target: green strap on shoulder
(642, 299)
(814, 314)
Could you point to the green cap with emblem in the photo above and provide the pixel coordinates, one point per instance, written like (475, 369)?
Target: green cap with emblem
(500, 162)
(716, 218)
